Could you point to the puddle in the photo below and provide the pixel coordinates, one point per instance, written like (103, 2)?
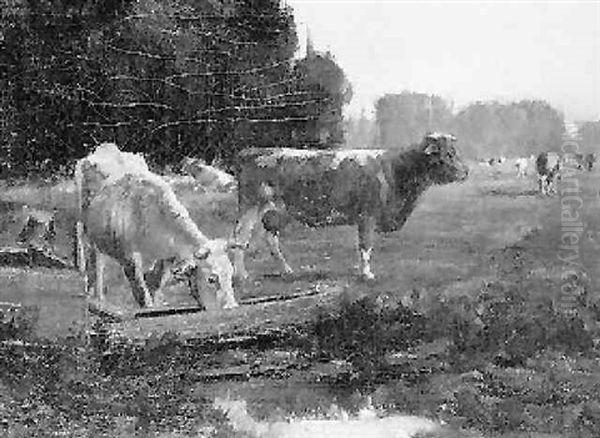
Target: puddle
(367, 422)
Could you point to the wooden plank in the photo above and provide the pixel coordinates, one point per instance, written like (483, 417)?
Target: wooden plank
(150, 313)
(274, 298)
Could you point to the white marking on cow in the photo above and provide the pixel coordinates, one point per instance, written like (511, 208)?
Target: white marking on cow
(360, 156)
(365, 258)
(270, 159)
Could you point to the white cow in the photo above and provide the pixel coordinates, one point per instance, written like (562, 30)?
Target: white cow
(522, 165)
(127, 212)
(103, 167)
(139, 222)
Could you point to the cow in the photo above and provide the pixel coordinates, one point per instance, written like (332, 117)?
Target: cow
(103, 167)
(108, 173)
(139, 222)
(548, 169)
(208, 176)
(376, 190)
(589, 161)
(39, 229)
(521, 164)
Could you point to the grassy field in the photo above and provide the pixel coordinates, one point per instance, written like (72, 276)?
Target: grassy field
(478, 317)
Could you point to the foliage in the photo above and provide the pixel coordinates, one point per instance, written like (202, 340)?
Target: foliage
(589, 134)
(170, 79)
(61, 389)
(503, 325)
(492, 129)
(403, 119)
(360, 132)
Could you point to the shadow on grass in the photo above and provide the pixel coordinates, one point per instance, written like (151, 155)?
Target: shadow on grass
(303, 276)
(510, 193)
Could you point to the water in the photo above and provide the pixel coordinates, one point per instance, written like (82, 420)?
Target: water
(367, 422)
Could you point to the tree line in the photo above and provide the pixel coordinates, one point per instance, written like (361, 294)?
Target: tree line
(484, 129)
(169, 78)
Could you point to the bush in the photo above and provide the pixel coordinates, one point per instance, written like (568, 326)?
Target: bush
(364, 332)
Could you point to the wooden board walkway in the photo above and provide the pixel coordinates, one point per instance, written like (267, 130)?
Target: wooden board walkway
(254, 318)
(111, 312)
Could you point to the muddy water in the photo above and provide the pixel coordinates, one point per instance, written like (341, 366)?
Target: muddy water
(367, 422)
(296, 407)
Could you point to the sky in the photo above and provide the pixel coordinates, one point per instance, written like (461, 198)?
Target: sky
(463, 51)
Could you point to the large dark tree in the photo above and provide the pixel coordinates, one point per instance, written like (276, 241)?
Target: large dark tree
(169, 78)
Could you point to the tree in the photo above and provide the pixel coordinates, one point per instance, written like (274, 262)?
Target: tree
(404, 118)
(492, 129)
(168, 78)
(327, 90)
(360, 132)
(589, 134)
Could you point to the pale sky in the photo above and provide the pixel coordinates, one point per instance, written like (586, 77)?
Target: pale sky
(464, 51)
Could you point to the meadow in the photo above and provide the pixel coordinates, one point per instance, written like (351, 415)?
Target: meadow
(482, 318)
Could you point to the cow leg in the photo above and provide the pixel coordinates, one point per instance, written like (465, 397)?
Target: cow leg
(366, 238)
(79, 249)
(203, 301)
(242, 235)
(542, 182)
(97, 262)
(157, 279)
(135, 274)
(273, 241)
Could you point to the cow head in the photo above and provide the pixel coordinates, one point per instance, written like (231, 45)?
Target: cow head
(442, 161)
(211, 281)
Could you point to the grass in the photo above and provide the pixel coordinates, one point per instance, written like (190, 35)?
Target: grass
(466, 323)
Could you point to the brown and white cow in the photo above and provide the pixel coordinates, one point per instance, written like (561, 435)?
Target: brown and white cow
(548, 169)
(373, 189)
(131, 214)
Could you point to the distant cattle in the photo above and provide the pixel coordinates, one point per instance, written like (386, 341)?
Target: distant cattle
(373, 189)
(589, 160)
(133, 216)
(522, 164)
(548, 169)
(580, 161)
